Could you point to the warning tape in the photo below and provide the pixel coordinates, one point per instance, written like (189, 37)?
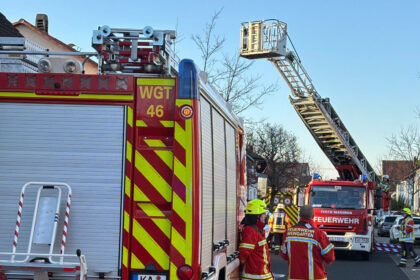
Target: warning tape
(386, 247)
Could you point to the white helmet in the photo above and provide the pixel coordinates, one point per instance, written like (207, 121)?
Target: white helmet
(385, 177)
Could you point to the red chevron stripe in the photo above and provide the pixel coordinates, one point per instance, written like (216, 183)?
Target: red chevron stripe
(181, 121)
(157, 163)
(147, 188)
(142, 254)
(176, 257)
(155, 232)
(179, 188)
(178, 223)
(179, 152)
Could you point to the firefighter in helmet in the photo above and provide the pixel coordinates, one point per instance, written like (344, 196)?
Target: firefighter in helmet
(407, 238)
(254, 254)
(279, 221)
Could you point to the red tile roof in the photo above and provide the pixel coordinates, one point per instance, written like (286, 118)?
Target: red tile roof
(396, 169)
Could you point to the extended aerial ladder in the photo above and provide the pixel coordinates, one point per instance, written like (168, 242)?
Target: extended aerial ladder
(267, 39)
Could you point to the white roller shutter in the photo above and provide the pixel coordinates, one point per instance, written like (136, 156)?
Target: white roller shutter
(207, 185)
(219, 175)
(81, 145)
(231, 188)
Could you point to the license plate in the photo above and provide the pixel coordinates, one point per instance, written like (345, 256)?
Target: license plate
(149, 277)
(335, 238)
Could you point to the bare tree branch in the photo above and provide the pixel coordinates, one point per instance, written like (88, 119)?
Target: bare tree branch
(209, 44)
(406, 146)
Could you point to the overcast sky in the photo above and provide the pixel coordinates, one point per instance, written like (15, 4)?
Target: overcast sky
(363, 55)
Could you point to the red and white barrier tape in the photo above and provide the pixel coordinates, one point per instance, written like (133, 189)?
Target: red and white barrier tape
(386, 247)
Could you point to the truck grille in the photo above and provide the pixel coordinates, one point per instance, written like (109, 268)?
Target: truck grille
(340, 244)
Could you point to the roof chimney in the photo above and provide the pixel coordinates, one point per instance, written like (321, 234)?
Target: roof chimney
(41, 22)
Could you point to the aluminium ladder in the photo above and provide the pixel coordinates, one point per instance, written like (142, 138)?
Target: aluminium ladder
(43, 232)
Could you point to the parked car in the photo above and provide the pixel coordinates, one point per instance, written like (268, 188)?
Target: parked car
(385, 225)
(379, 216)
(394, 232)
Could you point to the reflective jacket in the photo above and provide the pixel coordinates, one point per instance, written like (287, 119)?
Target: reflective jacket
(407, 230)
(254, 254)
(306, 247)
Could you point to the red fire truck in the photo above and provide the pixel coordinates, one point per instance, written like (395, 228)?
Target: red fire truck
(141, 167)
(343, 208)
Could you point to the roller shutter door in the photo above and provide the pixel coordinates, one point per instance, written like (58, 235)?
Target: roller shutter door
(81, 145)
(207, 185)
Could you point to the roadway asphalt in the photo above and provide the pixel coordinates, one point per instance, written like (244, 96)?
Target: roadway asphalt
(351, 267)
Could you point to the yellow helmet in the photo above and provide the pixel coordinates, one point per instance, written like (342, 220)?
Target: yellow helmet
(256, 207)
(407, 211)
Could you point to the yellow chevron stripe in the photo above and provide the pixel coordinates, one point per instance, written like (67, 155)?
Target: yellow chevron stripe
(151, 210)
(179, 206)
(144, 167)
(130, 116)
(141, 123)
(180, 172)
(154, 143)
(173, 274)
(139, 195)
(155, 82)
(147, 241)
(136, 263)
(164, 225)
(125, 257)
(167, 157)
(180, 135)
(127, 186)
(129, 152)
(167, 123)
(80, 96)
(126, 221)
(178, 242)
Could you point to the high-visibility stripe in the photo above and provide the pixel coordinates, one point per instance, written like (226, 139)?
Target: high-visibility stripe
(126, 221)
(265, 259)
(247, 245)
(125, 256)
(151, 210)
(167, 123)
(164, 225)
(261, 243)
(327, 249)
(80, 96)
(135, 262)
(179, 206)
(152, 247)
(144, 167)
(154, 143)
(292, 212)
(311, 262)
(130, 116)
(167, 157)
(177, 241)
(155, 82)
(179, 171)
(141, 123)
(129, 151)
(300, 239)
(139, 195)
(127, 186)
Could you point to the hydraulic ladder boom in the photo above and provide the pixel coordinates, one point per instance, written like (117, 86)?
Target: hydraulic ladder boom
(267, 39)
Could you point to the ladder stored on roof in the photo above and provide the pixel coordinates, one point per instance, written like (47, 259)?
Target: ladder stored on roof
(267, 39)
(43, 234)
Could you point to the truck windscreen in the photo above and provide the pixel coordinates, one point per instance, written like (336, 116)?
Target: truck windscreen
(337, 197)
